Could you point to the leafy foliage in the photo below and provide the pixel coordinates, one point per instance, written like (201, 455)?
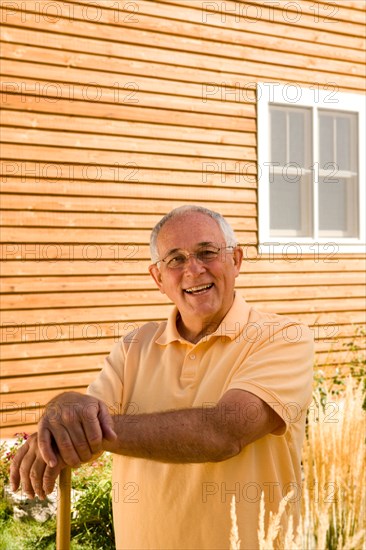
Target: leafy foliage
(6, 455)
(92, 525)
(92, 510)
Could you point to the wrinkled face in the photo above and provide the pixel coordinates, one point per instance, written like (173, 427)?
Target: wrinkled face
(202, 292)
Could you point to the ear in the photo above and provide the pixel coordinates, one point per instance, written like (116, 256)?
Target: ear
(156, 275)
(238, 258)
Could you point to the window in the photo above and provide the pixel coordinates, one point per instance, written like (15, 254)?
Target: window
(311, 168)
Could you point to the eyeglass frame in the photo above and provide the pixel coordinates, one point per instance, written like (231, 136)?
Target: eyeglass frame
(194, 254)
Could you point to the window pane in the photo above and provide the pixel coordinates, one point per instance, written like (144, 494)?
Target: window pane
(287, 211)
(337, 139)
(297, 138)
(334, 207)
(290, 197)
(278, 136)
(326, 140)
(343, 126)
(338, 197)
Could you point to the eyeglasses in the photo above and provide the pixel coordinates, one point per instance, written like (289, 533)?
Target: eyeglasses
(205, 255)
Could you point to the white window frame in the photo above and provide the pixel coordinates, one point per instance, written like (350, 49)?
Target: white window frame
(316, 97)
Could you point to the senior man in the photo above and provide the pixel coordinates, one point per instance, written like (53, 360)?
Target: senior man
(206, 405)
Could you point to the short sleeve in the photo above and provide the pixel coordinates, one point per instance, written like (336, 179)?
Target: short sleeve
(279, 369)
(108, 386)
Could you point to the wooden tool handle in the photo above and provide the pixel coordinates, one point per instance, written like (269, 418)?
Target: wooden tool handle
(63, 532)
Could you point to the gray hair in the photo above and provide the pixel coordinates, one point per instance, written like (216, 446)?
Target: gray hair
(227, 230)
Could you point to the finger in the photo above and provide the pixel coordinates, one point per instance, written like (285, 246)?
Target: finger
(24, 471)
(106, 422)
(49, 478)
(36, 474)
(45, 444)
(93, 433)
(66, 447)
(15, 466)
(72, 445)
(80, 443)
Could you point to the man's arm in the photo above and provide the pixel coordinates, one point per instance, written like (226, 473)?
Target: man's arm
(207, 434)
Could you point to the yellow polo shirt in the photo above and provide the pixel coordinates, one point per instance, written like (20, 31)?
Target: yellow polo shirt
(160, 506)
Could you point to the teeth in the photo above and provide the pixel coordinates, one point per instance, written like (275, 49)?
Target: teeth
(196, 288)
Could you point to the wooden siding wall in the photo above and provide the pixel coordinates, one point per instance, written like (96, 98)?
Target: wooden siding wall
(106, 127)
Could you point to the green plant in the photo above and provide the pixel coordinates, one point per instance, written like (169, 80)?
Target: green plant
(92, 526)
(358, 361)
(6, 455)
(92, 521)
(28, 535)
(335, 385)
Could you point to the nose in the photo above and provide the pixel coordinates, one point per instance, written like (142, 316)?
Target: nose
(194, 265)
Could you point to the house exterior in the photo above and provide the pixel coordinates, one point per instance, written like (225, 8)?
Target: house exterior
(116, 112)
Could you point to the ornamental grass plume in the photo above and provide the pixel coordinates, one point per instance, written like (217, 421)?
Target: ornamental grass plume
(334, 465)
(234, 533)
(274, 538)
(333, 514)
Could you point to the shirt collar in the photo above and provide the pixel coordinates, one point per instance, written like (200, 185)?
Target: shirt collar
(230, 327)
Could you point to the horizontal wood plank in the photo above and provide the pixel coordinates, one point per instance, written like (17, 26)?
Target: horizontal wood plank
(44, 376)
(44, 81)
(326, 325)
(102, 299)
(193, 13)
(88, 68)
(278, 264)
(42, 368)
(329, 13)
(184, 36)
(123, 312)
(124, 144)
(53, 234)
(19, 49)
(14, 91)
(326, 339)
(17, 152)
(22, 352)
(140, 207)
(13, 116)
(14, 285)
(95, 221)
(247, 73)
(126, 181)
(50, 372)
(32, 398)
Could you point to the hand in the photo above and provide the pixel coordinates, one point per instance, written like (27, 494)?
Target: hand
(29, 469)
(77, 425)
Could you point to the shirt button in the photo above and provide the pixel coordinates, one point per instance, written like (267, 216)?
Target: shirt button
(192, 356)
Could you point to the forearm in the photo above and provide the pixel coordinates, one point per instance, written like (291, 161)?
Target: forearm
(83, 427)
(181, 436)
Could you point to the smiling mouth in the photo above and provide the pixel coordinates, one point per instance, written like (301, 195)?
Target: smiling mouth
(198, 289)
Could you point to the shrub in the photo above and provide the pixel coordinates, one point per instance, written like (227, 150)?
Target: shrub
(6, 455)
(92, 508)
(91, 527)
